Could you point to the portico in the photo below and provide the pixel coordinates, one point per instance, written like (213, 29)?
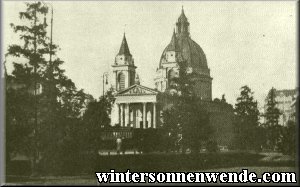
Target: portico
(137, 107)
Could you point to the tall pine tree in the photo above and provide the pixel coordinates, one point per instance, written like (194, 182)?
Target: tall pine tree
(246, 120)
(187, 110)
(272, 115)
(40, 97)
(29, 73)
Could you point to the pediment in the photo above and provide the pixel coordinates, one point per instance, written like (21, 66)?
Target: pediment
(138, 90)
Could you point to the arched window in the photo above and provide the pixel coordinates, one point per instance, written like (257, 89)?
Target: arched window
(121, 81)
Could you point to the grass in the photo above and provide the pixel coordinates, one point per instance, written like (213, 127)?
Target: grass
(224, 162)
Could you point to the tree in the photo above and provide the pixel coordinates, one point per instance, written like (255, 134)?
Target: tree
(188, 115)
(172, 129)
(45, 115)
(96, 119)
(272, 113)
(18, 120)
(288, 139)
(272, 124)
(33, 36)
(247, 120)
(195, 124)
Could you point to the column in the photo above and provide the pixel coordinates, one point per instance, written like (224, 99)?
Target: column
(137, 117)
(119, 113)
(122, 115)
(116, 80)
(154, 115)
(134, 116)
(144, 115)
(127, 115)
(126, 73)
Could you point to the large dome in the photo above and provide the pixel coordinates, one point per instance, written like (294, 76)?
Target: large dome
(183, 49)
(188, 49)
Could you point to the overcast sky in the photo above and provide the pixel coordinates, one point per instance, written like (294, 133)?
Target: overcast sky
(246, 43)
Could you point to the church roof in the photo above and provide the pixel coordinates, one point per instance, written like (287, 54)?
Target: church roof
(124, 49)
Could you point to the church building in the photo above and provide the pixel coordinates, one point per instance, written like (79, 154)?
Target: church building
(135, 105)
(138, 106)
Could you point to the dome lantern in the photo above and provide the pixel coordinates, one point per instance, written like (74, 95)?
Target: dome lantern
(183, 24)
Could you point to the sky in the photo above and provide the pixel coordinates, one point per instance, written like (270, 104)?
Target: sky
(246, 43)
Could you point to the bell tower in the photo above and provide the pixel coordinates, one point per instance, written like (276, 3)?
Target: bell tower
(123, 68)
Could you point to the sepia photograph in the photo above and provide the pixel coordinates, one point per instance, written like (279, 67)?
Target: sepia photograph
(149, 92)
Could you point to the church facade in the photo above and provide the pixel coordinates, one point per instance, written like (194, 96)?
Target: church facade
(135, 105)
(138, 106)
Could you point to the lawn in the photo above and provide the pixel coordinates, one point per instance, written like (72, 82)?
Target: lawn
(221, 162)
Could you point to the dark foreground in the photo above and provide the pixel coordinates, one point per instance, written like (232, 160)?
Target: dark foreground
(229, 162)
(91, 180)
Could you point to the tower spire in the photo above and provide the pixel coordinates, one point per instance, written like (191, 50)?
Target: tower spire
(173, 43)
(124, 49)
